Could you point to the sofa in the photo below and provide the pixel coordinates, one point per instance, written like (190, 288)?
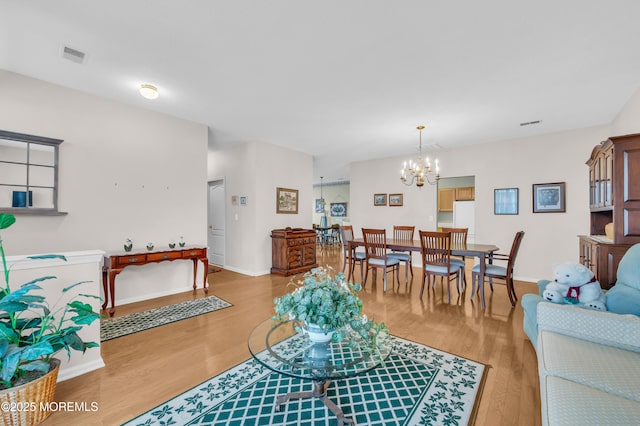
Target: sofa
(589, 360)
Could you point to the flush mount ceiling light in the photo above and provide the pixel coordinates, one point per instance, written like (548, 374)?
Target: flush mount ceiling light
(149, 91)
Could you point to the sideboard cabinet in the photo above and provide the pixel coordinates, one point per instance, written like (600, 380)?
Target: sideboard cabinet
(614, 197)
(293, 251)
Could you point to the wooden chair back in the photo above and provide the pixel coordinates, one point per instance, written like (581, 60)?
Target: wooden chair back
(375, 243)
(458, 235)
(346, 232)
(435, 248)
(404, 233)
(515, 247)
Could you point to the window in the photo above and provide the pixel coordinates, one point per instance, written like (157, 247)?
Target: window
(28, 174)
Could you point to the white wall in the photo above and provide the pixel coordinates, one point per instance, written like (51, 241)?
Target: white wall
(549, 237)
(256, 170)
(125, 172)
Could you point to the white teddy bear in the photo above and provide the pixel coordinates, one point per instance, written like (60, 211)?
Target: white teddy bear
(575, 284)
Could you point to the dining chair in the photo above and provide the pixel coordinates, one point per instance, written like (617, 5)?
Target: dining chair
(436, 260)
(375, 245)
(350, 256)
(404, 233)
(459, 238)
(335, 233)
(503, 273)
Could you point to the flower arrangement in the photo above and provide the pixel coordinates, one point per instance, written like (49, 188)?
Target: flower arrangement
(325, 299)
(31, 331)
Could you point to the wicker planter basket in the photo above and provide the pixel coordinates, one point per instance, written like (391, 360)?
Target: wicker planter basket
(25, 400)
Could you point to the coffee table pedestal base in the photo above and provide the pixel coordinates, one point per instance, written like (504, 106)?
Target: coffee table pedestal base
(319, 391)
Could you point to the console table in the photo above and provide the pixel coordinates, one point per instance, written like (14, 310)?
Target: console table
(115, 262)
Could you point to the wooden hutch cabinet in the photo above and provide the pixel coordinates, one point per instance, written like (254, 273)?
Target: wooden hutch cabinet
(614, 197)
(293, 250)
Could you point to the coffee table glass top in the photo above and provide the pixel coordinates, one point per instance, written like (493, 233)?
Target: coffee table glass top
(280, 347)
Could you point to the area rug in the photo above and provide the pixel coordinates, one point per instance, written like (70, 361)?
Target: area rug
(112, 328)
(417, 385)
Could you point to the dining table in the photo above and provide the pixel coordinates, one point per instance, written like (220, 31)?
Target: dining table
(483, 252)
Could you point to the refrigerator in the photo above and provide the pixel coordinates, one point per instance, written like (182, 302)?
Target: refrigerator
(464, 217)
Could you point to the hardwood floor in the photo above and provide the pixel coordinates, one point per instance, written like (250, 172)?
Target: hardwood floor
(147, 368)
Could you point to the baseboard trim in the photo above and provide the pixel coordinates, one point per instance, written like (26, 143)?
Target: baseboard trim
(78, 370)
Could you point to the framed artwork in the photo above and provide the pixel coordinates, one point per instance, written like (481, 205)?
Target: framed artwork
(234, 200)
(338, 209)
(505, 201)
(319, 205)
(379, 199)
(243, 201)
(395, 199)
(286, 201)
(549, 197)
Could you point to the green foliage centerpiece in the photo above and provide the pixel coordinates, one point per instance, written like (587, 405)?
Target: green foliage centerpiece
(325, 300)
(32, 331)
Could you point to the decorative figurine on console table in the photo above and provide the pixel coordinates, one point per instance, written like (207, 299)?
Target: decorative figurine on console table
(182, 243)
(149, 246)
(128, 245)
(172, 244)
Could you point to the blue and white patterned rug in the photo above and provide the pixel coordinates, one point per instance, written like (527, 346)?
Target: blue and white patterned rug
(111, 328)
(417, 385)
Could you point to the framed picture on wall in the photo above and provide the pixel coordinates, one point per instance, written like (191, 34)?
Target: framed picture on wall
(505, 201)
(319, 205)
(286, 201)
(379, 199)
(338, 209)
(549, 197)
(395, 199)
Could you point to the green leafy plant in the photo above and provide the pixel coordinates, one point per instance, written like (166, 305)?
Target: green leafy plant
(31, 331)
(326, 299)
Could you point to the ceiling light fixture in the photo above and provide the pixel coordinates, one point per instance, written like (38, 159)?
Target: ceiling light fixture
(419, 171)
(149, 91)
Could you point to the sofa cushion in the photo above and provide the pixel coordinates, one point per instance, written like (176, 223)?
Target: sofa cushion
(570, 403)
(622, 299)
(629, 268)
(609, 369)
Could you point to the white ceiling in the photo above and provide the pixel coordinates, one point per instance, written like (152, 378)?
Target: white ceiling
(342, 80)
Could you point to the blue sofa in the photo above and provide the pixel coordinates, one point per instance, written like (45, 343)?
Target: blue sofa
(589, 360)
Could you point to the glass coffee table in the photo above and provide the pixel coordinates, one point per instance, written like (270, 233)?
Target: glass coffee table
(280, 347)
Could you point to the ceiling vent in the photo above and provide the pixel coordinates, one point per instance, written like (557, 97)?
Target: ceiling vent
(73, 55)
(529, 123)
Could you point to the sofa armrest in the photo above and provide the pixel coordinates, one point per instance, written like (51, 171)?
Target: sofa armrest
(607, 328)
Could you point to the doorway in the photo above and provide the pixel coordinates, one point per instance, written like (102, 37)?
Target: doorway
(216, 223)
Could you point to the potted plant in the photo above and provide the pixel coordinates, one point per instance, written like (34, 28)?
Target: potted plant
(327, 307)
(31, 333)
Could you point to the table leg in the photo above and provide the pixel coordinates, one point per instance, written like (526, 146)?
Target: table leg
(105, 287)
(112, 290)
(195, 272)
(205, 263)
(319, 391)
(483, 268)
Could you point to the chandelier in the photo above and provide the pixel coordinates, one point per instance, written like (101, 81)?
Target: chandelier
(419, 171)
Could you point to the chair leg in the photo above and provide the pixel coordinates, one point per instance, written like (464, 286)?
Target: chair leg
(366, 274)
(344, 261)
(512, 292)
(411, 265)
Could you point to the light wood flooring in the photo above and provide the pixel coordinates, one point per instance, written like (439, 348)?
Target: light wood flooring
(147, 368)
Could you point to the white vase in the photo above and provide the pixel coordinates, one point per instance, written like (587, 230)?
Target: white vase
(317, 334)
